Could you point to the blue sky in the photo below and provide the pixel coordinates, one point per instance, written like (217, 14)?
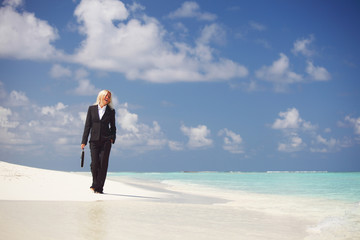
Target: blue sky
(197, 85)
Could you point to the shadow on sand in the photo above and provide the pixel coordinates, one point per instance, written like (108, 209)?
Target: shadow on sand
(130, 196)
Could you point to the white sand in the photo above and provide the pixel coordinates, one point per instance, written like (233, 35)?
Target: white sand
(26, 183)
(43, 204)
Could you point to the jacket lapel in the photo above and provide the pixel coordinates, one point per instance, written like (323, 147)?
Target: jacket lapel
(96, 113)
(106, 113)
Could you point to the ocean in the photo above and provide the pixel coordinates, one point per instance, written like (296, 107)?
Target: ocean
(330, 200)
(332, 186)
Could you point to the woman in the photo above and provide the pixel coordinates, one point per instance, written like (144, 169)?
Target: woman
(100, 120)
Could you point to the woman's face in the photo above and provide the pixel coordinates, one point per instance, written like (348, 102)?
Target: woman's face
(106, 99)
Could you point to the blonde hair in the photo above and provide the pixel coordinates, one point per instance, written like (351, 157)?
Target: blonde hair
(101, 95)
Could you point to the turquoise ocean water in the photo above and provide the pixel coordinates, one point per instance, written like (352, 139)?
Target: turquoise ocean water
(332, 186)
(330, 200)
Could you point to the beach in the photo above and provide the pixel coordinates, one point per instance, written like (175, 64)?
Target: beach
(45, 204)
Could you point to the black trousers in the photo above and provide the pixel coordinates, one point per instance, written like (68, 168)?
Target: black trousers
(100, 152)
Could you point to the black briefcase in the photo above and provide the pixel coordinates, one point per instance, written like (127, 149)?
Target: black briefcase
(82, 158)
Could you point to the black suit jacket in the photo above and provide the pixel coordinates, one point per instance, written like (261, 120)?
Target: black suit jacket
(101, 129)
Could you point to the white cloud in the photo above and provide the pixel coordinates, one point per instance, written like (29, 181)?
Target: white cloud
(55, 130)
(58, 71)
(82, 116)
(52, 110)
(257, 26)
(279, 73)
(192, 10)
(294, 143)
(326, 145)
(126, 120)
(14, 99)
(355, 123)
(81, 74)
(291, 125)
(26, 124)
(198, 136)
(62, 141)
(115, 37)
(232, 141)
(85, 88)
(317, 73)
(4, 118)
(10, 136)
(18, 99)
(137, 136)
(13, 3)
(181, 29)
(176, 146)
(118, 47)
(211, 33)
(251, 86)
(327, 130)
(291, 120)
(134, 7)
(23, 36)
(60, 115)
(302, 46)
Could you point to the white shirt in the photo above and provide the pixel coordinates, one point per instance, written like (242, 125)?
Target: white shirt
(101, 111)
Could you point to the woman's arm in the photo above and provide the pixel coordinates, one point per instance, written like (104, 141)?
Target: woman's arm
(113, 127)
(87, 127)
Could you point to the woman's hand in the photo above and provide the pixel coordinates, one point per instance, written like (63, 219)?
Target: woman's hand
(82, 146)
